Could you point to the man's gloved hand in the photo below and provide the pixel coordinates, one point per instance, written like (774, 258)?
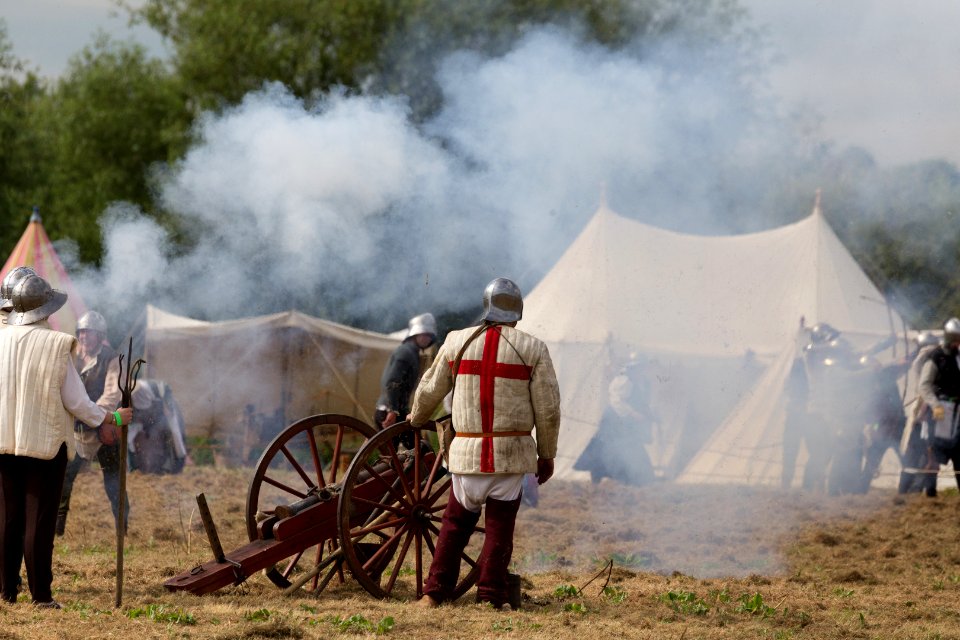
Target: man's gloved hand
(937, 412)
(544, 469)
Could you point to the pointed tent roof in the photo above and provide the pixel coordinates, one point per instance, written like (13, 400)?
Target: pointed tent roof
(626, 286)
(35, 250)
(706, 295)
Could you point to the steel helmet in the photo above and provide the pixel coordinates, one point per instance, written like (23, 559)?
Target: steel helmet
(34, 300)
(927, 339)
(869, 362)
(423, 323)
(92, 321)
(14, 276)
(502, 301)
(951, 331)
(822, 333)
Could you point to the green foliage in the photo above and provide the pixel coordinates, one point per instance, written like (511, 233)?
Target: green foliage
(223, 49)
(840, 592)
(754, 605)
(719, 595)
(161, 613)
(359, 624)
(201, 449)
(112, 116)
(509, 624)
(685, 602)
(575, 607)
(614, 594)
(260, 615)
(24, 157)
(566, 591)
(627, 560)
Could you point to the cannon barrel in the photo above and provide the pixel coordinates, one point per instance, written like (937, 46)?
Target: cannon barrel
(332, 491)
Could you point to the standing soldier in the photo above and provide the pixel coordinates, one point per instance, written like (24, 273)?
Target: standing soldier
(913, 446)
(940, 389)
(99, 369)
(402, 372)
(40, 398)
(504, 386)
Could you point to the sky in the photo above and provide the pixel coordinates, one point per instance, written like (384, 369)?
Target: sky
(881, 74)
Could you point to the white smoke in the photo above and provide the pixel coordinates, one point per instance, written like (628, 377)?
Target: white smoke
(349, 211)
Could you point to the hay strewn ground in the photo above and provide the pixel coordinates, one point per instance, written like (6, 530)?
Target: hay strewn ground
(688, 563)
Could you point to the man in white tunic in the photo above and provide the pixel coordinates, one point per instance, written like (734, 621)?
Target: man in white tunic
(40, 394)
(505, 388)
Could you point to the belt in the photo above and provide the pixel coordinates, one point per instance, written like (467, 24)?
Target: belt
(491, 434)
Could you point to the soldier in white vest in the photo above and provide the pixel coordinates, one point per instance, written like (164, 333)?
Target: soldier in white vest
(505, 388)
(40, 396)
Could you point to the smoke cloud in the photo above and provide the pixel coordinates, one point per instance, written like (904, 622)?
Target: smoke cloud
(349, 211)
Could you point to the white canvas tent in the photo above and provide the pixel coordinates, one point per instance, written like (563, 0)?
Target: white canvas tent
(269, 370)
(717, 318)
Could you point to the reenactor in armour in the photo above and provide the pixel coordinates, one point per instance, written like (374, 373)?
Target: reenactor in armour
(505, 390)
(913, 446)
(99, 369)
(940, 389)
(40, 398)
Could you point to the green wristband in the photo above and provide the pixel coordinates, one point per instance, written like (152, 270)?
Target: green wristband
(117, 418)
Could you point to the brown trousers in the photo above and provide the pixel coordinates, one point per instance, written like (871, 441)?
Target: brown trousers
(458, 525)
(29, 497)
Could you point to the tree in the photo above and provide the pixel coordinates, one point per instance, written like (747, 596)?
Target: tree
(223, 49)
(112, 116)
(23, 158)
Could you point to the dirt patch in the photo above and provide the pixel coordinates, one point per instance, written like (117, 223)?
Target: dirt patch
(688, 562)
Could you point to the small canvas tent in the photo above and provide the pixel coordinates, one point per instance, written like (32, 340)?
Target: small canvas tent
(35, 250)
(716, 320)
(247, 379)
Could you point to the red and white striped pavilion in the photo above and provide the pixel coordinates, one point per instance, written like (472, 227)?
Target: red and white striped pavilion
(35, 250)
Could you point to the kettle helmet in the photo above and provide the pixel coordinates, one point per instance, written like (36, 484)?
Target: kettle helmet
(502, 301)
(423, 323)
(14, 276)
(823, 333)
(951, 331)
(34, 300)
(92, 321)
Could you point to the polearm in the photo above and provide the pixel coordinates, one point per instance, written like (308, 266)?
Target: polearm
(127, 385)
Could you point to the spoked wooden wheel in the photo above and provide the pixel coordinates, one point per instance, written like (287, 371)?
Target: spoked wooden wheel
(303, 459)
(390, 511)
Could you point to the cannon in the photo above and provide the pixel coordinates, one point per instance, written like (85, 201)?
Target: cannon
(332, 494)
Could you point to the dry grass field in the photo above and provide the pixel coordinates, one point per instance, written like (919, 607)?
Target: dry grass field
(688, 562)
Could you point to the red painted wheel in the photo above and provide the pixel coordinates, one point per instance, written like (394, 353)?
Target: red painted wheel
(307, 456)
(390, 511)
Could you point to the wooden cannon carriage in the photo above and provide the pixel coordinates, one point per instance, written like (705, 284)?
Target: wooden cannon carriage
(331, 491)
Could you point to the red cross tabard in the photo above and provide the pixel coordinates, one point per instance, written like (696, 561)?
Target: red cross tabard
(489, 370)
